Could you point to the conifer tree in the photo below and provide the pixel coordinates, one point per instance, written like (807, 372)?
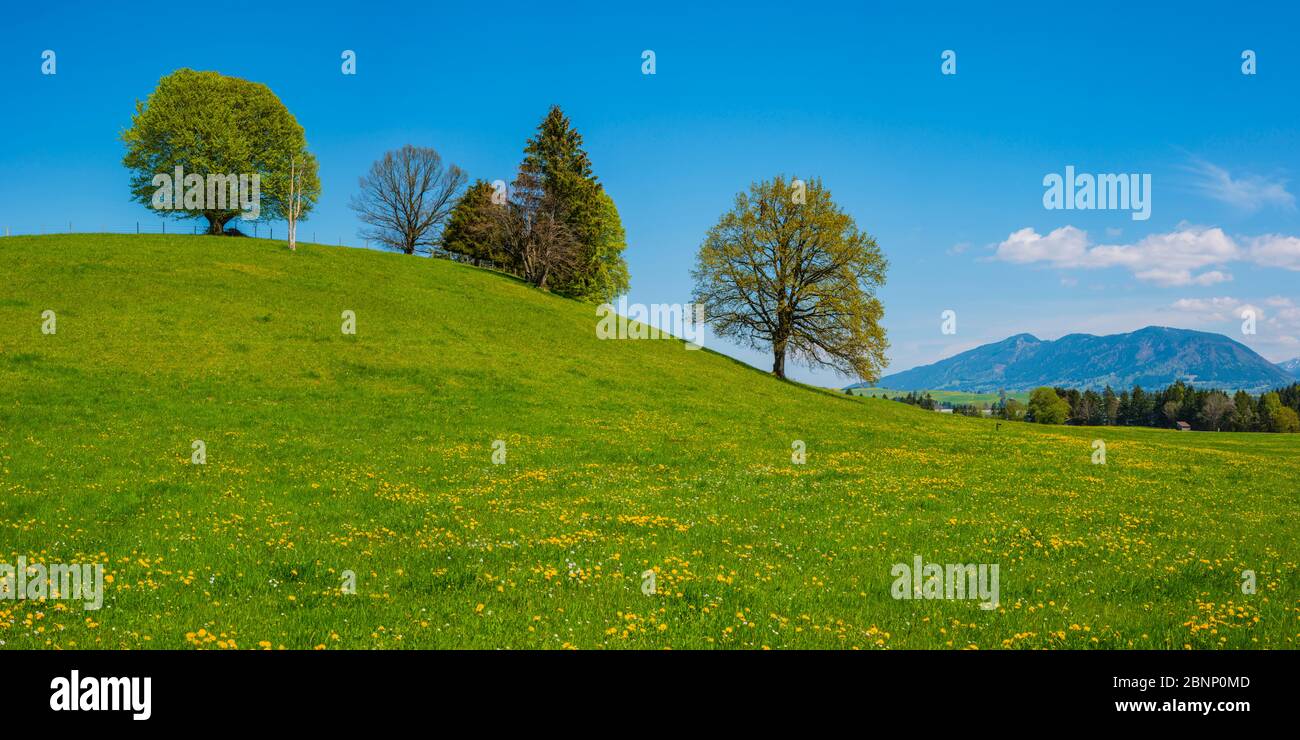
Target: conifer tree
(554, 157)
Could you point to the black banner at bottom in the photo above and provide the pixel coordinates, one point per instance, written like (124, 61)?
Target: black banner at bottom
(299, 690)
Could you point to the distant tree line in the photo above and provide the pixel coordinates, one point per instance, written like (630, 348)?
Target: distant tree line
(929, 403)
(916, 399)
(1209, 410)
(1206, 410)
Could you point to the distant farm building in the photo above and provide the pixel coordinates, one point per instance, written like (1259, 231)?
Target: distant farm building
(1183, 426)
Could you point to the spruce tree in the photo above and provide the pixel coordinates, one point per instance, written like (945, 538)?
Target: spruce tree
(463, 234)
(556, 158)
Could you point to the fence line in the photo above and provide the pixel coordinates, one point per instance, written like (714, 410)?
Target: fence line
(144, 227)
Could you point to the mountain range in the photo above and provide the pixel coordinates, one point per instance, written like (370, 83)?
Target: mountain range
(1152, 357)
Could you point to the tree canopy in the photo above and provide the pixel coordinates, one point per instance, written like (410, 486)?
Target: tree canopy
(577, 241)
(556, 158)
(1046, 407)
(405, 198)
(787, 270)
(461, 236)
(213, 126)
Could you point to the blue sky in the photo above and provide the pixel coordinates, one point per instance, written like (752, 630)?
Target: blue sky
(946, 171)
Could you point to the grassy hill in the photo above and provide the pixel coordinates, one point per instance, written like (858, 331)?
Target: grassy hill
(373, 454)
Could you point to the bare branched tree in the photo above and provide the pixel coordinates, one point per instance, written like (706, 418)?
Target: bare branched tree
(529, 229)
(1217, 409)
(406, 196)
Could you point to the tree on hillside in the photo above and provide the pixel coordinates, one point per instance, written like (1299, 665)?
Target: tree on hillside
(555, 158)
(530, 233)
(213, 128)
(1048, 408)
(603, 273)
(785, 269)
(464, 235)
(300, 176)
(406, 196)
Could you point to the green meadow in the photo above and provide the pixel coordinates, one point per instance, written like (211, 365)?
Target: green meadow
(369, 456)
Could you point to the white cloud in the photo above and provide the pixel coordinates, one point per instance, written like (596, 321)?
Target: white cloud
(1276, 250)
(1287, 315)
(1165, 259)
(1248, 193)
(1167, 277)
(1206, 304)
(1212, 277)
(1277, 327)
(1063, 247)
(1210, 310)
(1177, 258)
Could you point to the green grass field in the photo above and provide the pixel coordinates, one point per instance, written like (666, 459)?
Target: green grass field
(951, 397)
(373, 454)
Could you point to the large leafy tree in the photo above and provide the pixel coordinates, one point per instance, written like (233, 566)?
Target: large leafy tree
(209, 124)
(602, 271)
(787, 270)
(1216, 410)
(1244, 419)
(1276, 417)
(1047, 407)
(554, 157)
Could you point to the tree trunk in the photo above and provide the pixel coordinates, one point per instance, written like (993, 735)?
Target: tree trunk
(779, 340)
(216, 224)
(781, 336)
(292, 211)
(778, 360)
